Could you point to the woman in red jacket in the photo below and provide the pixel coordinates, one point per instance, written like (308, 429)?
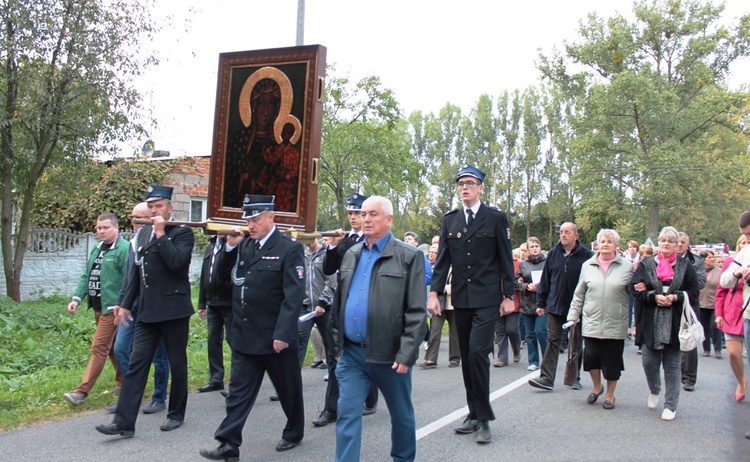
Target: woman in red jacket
(729, 319)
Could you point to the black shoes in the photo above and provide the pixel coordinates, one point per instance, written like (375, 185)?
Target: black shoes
(484, 435)
(468, 426)
(211, 387)
(224, 393)
(369, 410)
(318, 364)
(325, 418)
(285, 445)
(274, 397)
(171, 424)
(153, 407)
(542, 383)
(225, 451)
(114, 429)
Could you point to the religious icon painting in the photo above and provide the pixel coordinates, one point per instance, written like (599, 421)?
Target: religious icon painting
(267, 131)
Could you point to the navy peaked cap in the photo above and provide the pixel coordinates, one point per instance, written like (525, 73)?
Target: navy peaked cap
(254, 204)
(468, 170)
(355, 201)
(157, 192)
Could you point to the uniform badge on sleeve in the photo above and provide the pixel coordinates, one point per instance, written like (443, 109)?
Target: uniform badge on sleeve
(300, 272)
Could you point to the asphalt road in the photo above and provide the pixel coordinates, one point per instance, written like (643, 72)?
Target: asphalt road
(531, 425)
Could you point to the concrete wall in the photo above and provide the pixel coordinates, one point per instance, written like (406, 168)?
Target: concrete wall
(58, 272)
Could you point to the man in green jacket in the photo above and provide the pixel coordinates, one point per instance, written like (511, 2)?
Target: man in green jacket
(101, 283)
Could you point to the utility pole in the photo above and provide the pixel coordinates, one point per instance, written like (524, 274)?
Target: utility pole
(300, 22)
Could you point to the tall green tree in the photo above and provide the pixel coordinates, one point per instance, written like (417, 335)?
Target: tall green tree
(365, 145)
(66, 68)
(439, 143)
(530, 155)
(645, 93)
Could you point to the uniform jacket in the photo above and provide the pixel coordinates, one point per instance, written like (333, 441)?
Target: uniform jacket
(214, 290)
(319, 288)
(603, 299)
(269, 287)
(560, 277)
(335, 255)
(160, 275)
(114, 264)
(397, 311)
(481, 256)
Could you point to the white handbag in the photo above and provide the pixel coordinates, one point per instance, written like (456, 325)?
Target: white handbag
(691, 331)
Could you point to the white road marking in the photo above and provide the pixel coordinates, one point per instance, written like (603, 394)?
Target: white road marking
(432, 427)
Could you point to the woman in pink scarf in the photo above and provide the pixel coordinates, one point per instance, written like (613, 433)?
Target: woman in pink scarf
(660, 284)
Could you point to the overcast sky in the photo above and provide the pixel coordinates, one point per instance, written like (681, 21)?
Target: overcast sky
(429, 52)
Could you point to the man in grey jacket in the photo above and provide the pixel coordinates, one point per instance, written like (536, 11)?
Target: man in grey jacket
(689, 362)
(319, 289)
(379, 321)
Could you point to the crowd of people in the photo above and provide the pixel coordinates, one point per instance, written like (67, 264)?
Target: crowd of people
(368, 295)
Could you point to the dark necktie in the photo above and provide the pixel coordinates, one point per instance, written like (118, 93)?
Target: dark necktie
(470, 217)
(354, 238)
(257, 246)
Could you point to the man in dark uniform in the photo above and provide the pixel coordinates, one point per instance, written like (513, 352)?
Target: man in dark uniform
(475, 240)
(334, 255)
(268, 272)
(215, 305)
(160, 281)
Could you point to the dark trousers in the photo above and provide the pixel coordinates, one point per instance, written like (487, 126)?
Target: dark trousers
(247, 377)
(552, 354)
(689, 364)
(145, 341)
(332, 389)
(713, 335)
(304, 334)
(123, 350)
(436, 334)
(476, 332)
(219, 322)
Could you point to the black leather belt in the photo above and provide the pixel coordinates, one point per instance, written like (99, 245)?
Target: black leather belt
(361, 345)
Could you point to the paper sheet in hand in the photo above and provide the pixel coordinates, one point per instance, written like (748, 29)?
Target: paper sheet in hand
(307, 316)
(536, 276)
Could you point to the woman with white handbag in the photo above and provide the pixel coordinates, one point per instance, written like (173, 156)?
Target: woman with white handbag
(660, 284)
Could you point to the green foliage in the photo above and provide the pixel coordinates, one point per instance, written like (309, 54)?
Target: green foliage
(113, 187)
(46, 351)
(66, 70)
(645, 96)
(365, 145)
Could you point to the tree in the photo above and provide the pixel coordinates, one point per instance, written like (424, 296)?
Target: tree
(648, 93)
(65, 92)
(439, 143)
(365, 144)
(530, 155)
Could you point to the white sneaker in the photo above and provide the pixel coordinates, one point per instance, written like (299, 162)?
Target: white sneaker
(653, 401)
(667, 414)
(532, 367)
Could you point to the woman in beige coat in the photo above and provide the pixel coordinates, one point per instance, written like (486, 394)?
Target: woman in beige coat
(601, 296)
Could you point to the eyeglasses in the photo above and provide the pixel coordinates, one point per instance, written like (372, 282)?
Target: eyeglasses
(469, 184)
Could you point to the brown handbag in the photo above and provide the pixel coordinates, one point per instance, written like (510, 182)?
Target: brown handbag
(571, 365)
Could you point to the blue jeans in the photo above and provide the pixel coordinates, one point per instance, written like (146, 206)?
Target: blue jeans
(536, 334)
(123, 349)
(355, 379)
